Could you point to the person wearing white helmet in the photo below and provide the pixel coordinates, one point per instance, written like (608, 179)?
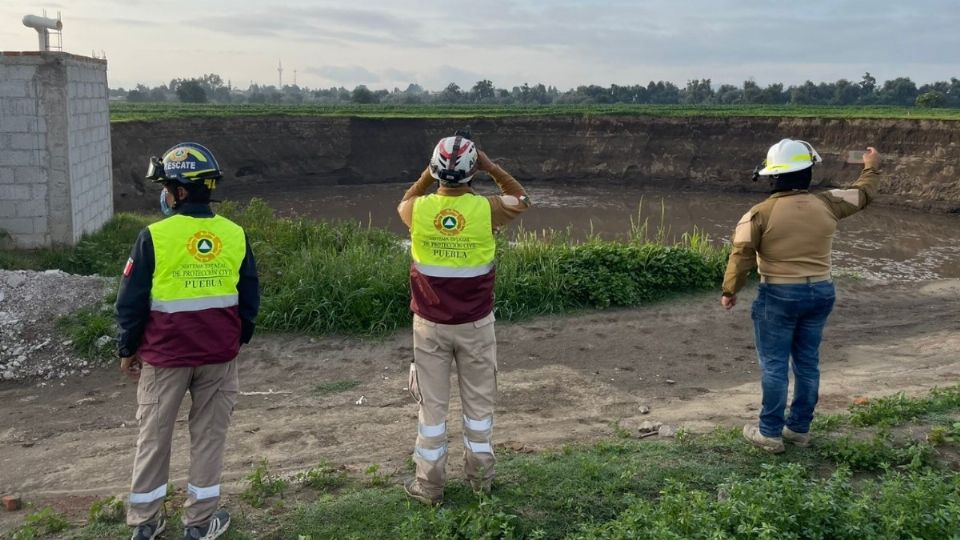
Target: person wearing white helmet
(788, 237)
(451, 288)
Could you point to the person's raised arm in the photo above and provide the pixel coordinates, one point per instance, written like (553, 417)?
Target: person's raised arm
(846, 202)
(513, 201)
(419, 188)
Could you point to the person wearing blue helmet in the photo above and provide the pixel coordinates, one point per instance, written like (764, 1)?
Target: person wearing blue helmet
(188, 299)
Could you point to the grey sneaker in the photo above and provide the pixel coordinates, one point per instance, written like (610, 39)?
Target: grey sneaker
(150, 530)
(218, 524)
(774, 445)
(798, 439)
(416, 492)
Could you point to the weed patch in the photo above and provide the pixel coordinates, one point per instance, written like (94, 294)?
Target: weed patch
(91, 329)
(43, 522)
(784, 503)
(108, 510)
(323, 477)
(262, 485)
(900, 408)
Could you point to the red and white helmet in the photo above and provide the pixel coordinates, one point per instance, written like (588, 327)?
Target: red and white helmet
(454, 160)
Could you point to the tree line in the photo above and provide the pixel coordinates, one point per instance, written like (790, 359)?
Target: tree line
(900, 91)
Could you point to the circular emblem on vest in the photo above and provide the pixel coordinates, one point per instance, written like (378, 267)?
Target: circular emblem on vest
(204, 246)
(449, 222)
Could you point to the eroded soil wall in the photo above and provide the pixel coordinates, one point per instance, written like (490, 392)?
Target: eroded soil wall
(922, 157)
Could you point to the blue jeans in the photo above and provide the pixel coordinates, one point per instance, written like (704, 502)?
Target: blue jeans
(788, 320)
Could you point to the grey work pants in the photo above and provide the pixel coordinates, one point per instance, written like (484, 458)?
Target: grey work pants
(213, 391)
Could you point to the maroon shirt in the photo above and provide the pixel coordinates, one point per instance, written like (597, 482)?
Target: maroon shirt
(451, 300)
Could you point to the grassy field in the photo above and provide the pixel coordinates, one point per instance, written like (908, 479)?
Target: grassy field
(886, 470)
(130, 112)
(348, 278)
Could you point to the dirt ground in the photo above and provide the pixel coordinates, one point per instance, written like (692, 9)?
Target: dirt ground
(561, 379)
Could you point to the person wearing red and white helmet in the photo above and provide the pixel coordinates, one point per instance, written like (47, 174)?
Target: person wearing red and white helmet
(451, 286)
(788, 237)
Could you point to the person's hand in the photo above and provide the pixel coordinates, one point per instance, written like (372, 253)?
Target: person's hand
(484, 163)
(728, 301)
(130, 366)
(871, 160)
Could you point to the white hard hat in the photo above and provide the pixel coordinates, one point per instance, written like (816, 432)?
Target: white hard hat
(454, 160)
(789, 156)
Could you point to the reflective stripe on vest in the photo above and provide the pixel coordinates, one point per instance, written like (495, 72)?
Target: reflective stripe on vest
(452, 236)
(197, 263)
(194, 304)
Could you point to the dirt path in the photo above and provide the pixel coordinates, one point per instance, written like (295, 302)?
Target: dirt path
(562, 379)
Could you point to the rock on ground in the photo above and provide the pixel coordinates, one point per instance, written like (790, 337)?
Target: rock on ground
(31, 303)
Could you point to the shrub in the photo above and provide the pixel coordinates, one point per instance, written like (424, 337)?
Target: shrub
(262, 485)
(108, 510)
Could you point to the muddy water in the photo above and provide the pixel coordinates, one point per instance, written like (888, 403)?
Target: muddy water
(880, 243)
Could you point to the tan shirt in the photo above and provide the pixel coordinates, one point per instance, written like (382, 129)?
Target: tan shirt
(504, 208)
(790, 235)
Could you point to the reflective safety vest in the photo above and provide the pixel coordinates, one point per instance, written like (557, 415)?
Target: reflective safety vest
(452, 236)
(194, 314)
(453, 249)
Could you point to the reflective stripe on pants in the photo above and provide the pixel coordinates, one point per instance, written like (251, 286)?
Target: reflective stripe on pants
(213, 392)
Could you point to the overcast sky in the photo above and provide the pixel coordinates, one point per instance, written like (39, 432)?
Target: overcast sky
(388, 43)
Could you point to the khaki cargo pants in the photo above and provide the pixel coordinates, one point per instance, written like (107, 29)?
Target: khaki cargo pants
(473, 346)
(213, 392)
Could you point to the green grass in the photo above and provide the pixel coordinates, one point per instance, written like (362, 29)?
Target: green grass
(262, 485)
(323, 477)
(784, 502)
(899, 408)
(86, 328)
(348, 278)
(708, 486)
(147, 112)
(43, 522)
(103, 253)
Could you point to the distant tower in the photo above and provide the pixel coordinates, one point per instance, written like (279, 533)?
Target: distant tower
(279, 74)
(294, 77)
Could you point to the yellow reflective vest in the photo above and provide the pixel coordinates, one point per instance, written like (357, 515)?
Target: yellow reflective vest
(452, 236)
(197, 263)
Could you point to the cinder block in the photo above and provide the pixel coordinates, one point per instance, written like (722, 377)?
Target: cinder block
(15, 192)
(32, 240)
(32, 209)
(39, 192)
(6, 175)
(29, 175)
(41, 224)
(16, 88)
(10, 72)
(18, 106)
(25, 141)
(15, 225)
(14, 124)
(7, 209)
(17, 158)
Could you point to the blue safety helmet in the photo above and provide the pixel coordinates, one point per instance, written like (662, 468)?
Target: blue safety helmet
(186, 163)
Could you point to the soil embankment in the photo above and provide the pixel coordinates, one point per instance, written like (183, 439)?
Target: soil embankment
(922, 167)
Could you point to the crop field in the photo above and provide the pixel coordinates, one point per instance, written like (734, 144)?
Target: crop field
(147, 112)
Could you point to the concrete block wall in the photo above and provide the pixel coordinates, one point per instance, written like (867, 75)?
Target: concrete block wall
(55, 165)
(88, 114)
